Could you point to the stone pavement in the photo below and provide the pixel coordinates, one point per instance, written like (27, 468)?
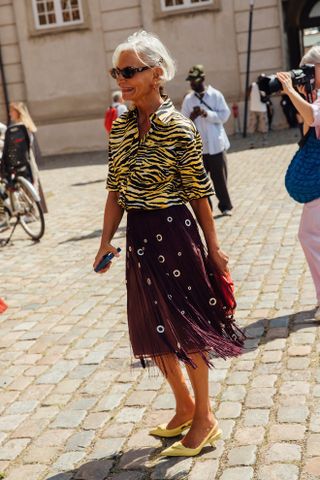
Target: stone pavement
(74, 408)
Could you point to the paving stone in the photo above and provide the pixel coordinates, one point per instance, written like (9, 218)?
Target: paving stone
(238, 378)
(264, 381)
(227, 427)
(293, 414)
(38, 454)
(298, 363)
(271, 357)
(287, 432)
(245, 455)
(53, 437)
(130, 414)
(280, 471)
(95, 470)
(79, 441)
(26, 471)
(96, 420)
(128, 476)
(106, 447)
(12, 449)
(313, 443)
(69, 419)
(117, 430)
(312, 466)
(256, 417)
(171, 469)
(22, 407)
(205, 470)
(295, 388)
(260, 398)
(165, 400)
(229, 410)
(250, 435)
(237, 473)
(234, 393)
(67, 461)
(299, 351)
(11, 422)
(136, 458)
(283, 452)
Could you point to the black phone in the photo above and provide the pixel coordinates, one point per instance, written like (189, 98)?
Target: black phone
(105, 260)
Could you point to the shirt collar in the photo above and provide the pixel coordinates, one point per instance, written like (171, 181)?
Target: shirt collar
(163, 114)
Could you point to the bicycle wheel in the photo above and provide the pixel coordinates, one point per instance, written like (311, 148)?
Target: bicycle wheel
(29, 209)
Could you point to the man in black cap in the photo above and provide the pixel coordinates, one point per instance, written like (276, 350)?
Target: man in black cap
(207, 108)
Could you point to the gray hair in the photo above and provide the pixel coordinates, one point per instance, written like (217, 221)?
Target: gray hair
(312, 56)
(116, 96)
(150, 50)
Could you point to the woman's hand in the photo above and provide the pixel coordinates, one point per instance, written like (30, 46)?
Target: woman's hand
(103, 250)
(286, 82)
(220, 260)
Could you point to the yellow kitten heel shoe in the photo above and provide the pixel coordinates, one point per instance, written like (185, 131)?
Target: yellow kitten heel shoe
(177, 449)
(162, 431)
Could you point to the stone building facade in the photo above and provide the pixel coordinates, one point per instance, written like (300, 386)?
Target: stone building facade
(56, 55)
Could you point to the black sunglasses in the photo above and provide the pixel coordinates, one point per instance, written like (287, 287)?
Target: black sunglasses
(127, 72)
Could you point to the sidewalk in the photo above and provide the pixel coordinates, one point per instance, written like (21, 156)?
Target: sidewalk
(72, 405)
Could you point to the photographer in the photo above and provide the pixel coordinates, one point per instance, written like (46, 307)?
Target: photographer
(309, 230)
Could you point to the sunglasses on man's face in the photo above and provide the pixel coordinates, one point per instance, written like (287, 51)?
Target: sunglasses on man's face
(127, 72)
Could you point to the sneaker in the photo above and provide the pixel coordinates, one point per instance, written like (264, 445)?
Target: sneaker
(317, 314)
(227, 213)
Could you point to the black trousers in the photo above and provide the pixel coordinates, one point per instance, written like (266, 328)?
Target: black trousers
(216, 167)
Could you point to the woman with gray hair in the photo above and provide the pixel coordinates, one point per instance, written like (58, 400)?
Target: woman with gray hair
(309, 230)
(180, 297)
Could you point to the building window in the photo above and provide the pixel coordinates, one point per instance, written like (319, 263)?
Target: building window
(168, 5)
(57, 13)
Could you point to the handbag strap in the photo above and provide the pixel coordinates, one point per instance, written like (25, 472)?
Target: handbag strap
(202, 101)
(311, 132)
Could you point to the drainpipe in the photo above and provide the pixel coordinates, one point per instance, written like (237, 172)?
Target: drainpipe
(4, 87)
(248, 69)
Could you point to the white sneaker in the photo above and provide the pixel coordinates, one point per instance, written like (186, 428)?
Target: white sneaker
(317, 314)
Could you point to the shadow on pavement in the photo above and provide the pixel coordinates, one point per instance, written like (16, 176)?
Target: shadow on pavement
(266, 330)
(91, 182)
(124, 464)
(238, 144)
(121, 233)
(73, 160)
(255, 141)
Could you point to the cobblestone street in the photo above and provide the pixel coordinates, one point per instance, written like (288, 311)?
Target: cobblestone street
(74, 405)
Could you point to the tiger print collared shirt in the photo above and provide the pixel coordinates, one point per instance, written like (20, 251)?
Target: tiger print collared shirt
(162, 169)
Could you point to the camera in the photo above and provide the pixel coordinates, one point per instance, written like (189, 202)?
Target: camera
(302, 76)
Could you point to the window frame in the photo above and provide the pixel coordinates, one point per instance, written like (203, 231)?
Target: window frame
(59, 24)
(183, 10)
(186, 5)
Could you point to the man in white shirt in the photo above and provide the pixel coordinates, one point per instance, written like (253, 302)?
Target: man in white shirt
(207, 108)
(258, 120)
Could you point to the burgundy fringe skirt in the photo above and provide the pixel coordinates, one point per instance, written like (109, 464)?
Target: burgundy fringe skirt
(177, 302)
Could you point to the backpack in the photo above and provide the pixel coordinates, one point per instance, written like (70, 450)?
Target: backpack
(16, 151)
(110, 115)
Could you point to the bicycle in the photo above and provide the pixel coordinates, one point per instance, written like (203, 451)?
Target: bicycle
(22, 203)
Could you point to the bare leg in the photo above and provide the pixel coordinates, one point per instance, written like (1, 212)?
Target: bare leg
(169, 365)
(203, 420)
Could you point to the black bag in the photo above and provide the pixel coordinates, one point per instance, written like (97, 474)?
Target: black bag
(16, 152)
